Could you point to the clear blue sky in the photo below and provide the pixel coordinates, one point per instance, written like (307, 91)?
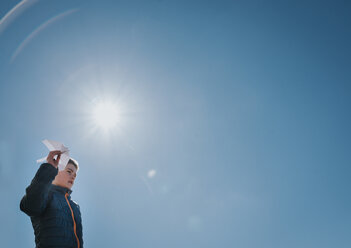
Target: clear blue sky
(242, 108)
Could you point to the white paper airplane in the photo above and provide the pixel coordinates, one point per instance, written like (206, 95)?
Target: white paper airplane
(57, 146)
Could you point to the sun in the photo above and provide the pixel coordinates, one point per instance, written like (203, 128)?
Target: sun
(105, 115)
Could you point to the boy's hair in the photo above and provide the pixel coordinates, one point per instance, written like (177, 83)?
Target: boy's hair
(74, 162)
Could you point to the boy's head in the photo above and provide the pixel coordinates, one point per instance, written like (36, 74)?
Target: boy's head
(66, 177)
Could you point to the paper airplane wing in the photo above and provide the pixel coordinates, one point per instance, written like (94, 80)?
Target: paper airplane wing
(63, 161)
(53, 146)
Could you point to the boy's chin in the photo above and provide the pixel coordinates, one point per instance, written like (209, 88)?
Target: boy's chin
(68, 185)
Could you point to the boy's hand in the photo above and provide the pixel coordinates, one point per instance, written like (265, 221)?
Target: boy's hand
(51, 160)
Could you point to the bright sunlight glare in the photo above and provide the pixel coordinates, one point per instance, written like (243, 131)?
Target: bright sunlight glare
(105, 115)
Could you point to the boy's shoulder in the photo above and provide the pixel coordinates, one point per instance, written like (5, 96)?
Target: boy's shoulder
(75, 203)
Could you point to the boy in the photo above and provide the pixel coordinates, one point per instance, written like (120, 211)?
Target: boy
(55, 217)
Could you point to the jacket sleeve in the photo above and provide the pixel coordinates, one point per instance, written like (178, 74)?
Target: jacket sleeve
(80, 227)
(34, 201)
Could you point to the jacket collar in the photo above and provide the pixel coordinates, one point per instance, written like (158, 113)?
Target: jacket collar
(60, 189)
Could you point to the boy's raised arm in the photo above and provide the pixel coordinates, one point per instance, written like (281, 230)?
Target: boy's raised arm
(34, 201)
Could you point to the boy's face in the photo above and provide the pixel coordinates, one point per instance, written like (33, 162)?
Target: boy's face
(66, 177)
